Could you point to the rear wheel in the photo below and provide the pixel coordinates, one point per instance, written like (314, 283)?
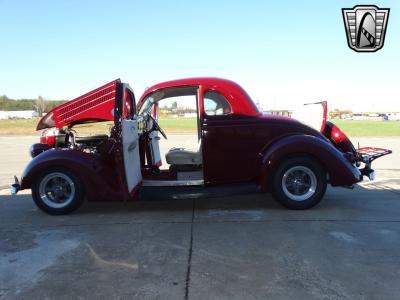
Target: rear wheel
(58, 191)
(299, 183)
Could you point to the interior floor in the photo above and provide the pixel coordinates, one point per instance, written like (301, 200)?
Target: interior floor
(168, 172)
(162, 175)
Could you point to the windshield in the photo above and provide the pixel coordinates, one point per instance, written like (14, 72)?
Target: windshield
(146, 106)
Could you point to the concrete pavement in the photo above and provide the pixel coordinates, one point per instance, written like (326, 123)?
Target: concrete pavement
(242, 247)
(239, 247)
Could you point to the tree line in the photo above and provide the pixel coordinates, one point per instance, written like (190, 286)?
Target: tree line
(39, 104)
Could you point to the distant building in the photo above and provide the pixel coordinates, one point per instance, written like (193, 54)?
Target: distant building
(340, 114)
(21, 114)
(279, 112)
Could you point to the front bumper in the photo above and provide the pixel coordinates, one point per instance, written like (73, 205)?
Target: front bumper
(14, 188)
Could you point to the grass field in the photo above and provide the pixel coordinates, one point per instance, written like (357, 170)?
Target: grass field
(18, 126)
(184, 125)
(189, 125)
(369, 128)
(27, 127)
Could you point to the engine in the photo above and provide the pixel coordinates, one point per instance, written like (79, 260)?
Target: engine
(67, 138)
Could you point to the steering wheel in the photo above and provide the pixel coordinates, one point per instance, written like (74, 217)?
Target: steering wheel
(156, 127)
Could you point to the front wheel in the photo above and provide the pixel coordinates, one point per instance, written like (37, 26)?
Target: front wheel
(57, 191)
(299, 183)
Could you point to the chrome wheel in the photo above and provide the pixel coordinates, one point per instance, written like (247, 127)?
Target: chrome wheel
(299, 183)
(57, 190)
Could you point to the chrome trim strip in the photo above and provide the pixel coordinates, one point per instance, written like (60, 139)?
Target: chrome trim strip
(172, 182)
(91, 94)
(91, 101)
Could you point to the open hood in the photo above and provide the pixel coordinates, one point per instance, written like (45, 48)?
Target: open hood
(95, 106)
(312, 114)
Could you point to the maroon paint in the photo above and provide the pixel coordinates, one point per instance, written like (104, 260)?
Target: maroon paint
(339, 138)
(340, 171)
(242, 146)
(231, 145)
(99, 176)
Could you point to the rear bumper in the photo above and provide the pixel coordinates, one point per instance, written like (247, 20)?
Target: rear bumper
(367, 155)
(368, 172)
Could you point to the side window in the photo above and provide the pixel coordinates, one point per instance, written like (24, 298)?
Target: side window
(215, 104)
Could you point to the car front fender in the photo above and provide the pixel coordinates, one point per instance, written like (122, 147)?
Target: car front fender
(339, 169)
(99, 181)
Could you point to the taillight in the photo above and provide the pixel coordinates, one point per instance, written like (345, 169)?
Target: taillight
(337, 135)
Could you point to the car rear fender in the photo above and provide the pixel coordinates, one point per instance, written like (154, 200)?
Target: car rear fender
(339, 169)
(84, 165)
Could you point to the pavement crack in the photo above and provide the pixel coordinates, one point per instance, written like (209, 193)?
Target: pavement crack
(189, 265)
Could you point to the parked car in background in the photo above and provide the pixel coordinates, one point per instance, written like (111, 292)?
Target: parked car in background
(235, 144)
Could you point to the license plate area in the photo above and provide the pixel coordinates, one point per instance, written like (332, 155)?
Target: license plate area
(369, 154)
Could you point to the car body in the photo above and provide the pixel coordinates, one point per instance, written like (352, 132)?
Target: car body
(237, 144)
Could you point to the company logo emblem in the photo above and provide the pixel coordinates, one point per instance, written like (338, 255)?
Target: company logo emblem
(365, 27)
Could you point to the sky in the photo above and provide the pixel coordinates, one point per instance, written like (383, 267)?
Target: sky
(283, 53)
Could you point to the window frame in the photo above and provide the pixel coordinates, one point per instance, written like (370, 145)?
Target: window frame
(219, 93)
(155, 103)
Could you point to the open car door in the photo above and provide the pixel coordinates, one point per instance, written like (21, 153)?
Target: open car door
(312, 114)
(130, 143)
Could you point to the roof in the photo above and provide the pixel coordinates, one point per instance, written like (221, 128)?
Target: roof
(240, 101)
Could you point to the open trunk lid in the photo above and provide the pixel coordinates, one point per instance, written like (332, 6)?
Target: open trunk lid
(97, 105)
(313, 115)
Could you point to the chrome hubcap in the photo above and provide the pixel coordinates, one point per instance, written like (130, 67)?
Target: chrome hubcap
(299, 183)
(57, 190)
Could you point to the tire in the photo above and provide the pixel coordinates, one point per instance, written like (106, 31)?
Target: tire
(58, 191)
(299, 183)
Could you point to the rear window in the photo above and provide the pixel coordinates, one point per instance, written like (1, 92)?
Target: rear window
(216, 104)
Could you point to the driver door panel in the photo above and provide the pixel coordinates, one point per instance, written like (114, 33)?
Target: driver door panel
(130, 145)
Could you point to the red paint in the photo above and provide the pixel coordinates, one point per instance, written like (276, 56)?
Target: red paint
(325, 117)
(97, 105)
(241, 103)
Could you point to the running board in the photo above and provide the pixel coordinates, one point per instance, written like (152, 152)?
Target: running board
(197, 192)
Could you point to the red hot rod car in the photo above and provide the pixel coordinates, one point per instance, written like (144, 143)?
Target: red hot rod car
(235, 144)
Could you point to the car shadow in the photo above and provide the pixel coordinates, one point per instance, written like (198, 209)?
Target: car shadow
(364, 203)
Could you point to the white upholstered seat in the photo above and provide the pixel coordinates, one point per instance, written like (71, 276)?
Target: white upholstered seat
(182, 156)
